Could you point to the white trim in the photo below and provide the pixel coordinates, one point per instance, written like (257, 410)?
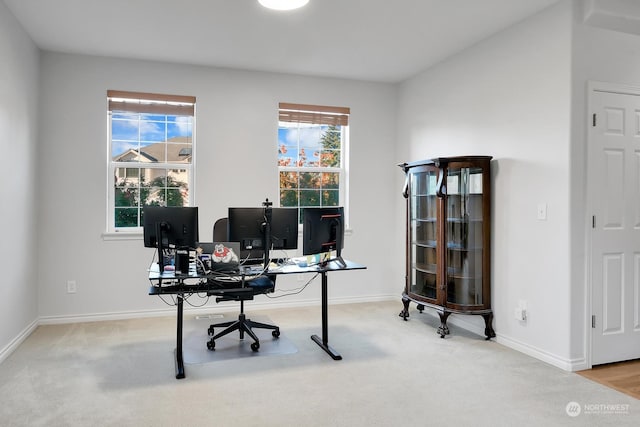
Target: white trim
(342, 170)
(463, 321)
(19, 339)
(111, 231)
(100, 317)
(345, 178)
(622, 89)
(588, 309)
(537, 353)
(570, 365)
(232, 306)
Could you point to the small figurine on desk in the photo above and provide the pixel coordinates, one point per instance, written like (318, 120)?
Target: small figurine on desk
(221, 253)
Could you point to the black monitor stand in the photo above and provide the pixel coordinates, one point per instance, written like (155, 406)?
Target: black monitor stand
(161, 226)
(336, 221)
(266, 231)
(338, 257)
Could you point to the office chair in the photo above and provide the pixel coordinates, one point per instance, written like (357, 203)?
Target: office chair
(221, 230)
(259, 285)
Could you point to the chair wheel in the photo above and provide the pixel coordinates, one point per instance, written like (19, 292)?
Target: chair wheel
(211, 345)
(255, 346)
(210, 330)
(275, 333)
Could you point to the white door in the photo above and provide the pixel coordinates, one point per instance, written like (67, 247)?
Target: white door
(614, 188)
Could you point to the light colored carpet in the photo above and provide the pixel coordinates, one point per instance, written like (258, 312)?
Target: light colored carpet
(230, 346)
(121, 373)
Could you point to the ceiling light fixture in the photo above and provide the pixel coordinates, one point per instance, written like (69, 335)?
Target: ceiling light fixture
(283, 4)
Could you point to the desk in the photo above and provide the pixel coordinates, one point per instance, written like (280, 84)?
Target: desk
(180, 287)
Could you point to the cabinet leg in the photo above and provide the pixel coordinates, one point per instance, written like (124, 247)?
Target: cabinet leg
(405, 311)
(443, 329)
(488, 327)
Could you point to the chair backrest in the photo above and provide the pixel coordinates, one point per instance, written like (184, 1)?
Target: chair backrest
(220, 230)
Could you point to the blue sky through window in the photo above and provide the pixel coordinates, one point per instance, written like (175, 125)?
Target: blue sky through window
(295, 139)
(130, 130)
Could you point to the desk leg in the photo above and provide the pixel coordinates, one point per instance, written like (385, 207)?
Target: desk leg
(178, 351)
(324, 342)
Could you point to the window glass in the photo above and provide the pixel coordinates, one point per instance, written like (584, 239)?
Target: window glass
(311, 160)
(151, 155)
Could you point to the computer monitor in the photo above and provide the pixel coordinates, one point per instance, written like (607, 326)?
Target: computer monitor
(249, 227)
(323, 231)
(170, 228)
(284, 228)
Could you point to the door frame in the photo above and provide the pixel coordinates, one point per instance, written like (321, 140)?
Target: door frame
(594, 87)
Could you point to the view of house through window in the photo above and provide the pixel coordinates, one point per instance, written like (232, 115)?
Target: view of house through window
(151, 154)
(312, 143)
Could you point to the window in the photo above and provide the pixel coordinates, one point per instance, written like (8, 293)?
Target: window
(312, 159)
(150, 155)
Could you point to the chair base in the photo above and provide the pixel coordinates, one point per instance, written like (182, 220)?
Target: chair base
(243, 325)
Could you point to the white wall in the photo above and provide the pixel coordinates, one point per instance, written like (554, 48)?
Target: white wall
(510, 97)
(18, 138)
(236, 135)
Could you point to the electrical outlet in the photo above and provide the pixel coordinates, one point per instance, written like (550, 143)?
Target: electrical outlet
(71, 287)
(520, 312)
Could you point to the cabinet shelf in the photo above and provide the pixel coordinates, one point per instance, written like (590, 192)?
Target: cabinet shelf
(425, 243)
(462, 248)
(455, 273)
(448, 201)
(426, 268)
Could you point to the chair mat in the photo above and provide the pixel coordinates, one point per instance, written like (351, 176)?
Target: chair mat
(195, 338)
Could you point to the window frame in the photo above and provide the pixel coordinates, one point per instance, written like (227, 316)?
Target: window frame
(325, 115)
(149, 103)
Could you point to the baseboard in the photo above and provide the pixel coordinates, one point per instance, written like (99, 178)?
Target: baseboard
(570, 365)
(258, 304)
(462, 322)
(13, 345)
(100, 317)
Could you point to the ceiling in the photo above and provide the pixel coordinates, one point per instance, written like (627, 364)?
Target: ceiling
(370, 40)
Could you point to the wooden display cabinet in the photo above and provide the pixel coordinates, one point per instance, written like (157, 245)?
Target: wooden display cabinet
(448, 238)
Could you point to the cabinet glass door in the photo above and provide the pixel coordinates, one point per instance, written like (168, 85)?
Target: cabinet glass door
(423, 244)
(464, 251)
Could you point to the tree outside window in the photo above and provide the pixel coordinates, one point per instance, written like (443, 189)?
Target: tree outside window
(311, 155)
